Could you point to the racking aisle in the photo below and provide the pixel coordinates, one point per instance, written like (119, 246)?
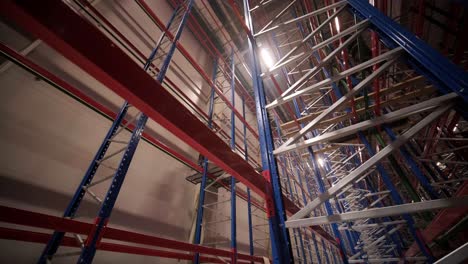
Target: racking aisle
(358, 154)
(368, 128)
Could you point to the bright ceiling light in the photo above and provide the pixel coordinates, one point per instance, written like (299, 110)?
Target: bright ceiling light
(320, 161)
(267, 58)
(337, 24)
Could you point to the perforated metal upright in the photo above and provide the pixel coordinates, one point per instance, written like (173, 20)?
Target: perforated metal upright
(161, 56)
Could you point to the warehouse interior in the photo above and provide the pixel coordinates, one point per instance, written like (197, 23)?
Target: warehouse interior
(234, 131)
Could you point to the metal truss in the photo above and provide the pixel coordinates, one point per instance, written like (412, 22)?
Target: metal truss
(357, 142)
(347, 127)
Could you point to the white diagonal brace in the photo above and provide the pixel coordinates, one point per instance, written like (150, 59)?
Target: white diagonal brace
(387, 118)
(313, 13)
(385, 56)
(337, 105)
(276, 17)
(278, 64)
(457, 256)
(372, 161)
(381, 212)
(356, 28)
(310, 73)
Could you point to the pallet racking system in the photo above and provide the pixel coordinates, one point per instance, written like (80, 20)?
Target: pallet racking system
(357, 151)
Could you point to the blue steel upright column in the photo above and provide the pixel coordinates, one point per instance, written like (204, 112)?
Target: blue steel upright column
(233, 147)
(201, 199)
(279, 235)
(93, 239)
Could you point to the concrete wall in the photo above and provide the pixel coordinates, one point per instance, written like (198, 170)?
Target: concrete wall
(48, 139)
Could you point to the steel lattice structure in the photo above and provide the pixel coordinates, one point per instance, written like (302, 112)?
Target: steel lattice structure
(360, 127)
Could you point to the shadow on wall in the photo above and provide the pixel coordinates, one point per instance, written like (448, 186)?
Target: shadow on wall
(18, 192)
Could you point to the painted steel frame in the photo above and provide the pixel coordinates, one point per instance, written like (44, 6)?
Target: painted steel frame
(461, 88)
(39, 220)
(460, 91)
(33, 19)
(279, 235)
(435, 66)
(201, 197)
(55, 81)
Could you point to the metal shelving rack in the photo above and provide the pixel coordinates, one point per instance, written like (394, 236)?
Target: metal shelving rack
(353, 126)
(357, 152)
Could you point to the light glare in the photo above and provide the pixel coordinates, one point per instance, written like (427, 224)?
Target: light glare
(320, 161)
(337, 24)
(266, 57)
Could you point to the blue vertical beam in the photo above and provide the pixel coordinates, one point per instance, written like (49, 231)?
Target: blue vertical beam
(301, 240)
(318, 177)
(249, 204)
(446, 75)
(321, 185)
(289, 186)
(70, 212)
(279, 235)
(298, 230)
(201, 198)
(309, 246)
(233, 102)
(95, 236)
(319, 259)
(325, 252)
(317, 252)
(304, 199)
(53, 244)
(233, 147)
(100, 222)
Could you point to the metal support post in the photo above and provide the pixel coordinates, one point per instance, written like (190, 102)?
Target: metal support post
(201, 199)
(94, 238)
(249, 206)
(54, 243)
(279, 235)
(233, 147)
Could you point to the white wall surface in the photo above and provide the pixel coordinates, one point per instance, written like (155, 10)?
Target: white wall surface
(48, 140)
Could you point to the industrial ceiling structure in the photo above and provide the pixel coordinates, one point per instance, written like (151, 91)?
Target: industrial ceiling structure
(234, 131)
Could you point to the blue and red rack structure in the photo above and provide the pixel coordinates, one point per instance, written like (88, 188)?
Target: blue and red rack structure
(437, 69)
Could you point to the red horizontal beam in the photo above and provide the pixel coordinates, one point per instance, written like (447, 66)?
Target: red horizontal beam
(50, 77)
(37, 237)
(197, 66)
(443, 221)
(129, 45)
(201, 34)
(33, 219)
(65, 31)
(68, 33)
